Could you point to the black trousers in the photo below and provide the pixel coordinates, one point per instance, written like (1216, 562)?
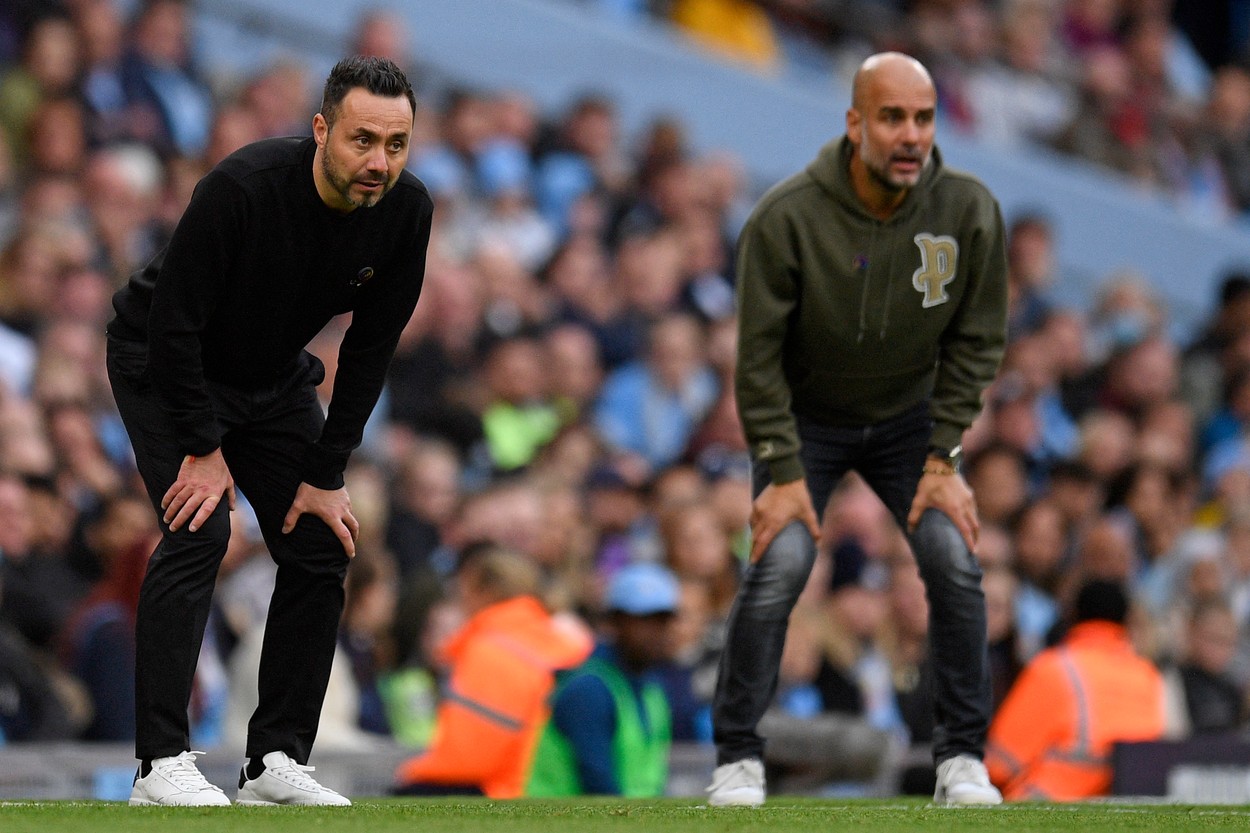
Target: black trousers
(889, 456)
(265, 435)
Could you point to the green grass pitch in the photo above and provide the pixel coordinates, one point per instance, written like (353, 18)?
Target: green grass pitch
(618, 816)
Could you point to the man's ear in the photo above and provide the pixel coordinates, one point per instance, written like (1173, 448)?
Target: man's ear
(321, 129)
(854, 125)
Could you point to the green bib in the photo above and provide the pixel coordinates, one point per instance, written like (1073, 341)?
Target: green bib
(641, 759)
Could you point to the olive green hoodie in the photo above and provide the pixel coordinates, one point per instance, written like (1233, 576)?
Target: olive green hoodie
(849, 320)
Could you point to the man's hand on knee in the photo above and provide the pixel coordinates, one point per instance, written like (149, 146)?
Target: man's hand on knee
(776, 507)
(331, 505)
(202, 483)
(951, 495)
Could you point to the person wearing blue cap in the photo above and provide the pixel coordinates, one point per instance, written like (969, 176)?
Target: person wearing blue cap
(610, 727)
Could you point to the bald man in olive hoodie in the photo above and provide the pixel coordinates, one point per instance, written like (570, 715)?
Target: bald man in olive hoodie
(873, 306)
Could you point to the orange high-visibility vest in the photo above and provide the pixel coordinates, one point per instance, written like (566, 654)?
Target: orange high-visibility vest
(503, 664)
(1051, 739)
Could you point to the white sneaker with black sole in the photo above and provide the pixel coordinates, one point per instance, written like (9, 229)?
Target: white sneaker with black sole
(285, 782)
(176, 782)
(963, 782)
(739, 784)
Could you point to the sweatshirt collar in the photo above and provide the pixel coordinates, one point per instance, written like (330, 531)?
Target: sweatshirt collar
(832, 170)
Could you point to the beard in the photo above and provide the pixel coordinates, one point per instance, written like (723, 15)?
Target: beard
(880, 172)
(342, 185)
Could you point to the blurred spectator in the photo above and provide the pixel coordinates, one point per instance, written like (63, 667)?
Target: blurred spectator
(1040, 562)
(519, 418)
(97, 644)
(1030, 272)
(617, 511)
(436, 357)
(1022, 97)
(1126, 313)
(582, 156)
(1212, 701)
(365, 630)
(278, 99)
(513, 301)
(580, 279)
(855, 673)
(170, 104)
(610, 727)
(1006, 660)
(1209, 366)
(1147, 500)
(501, 667)
(1106, 444)
(102, 32)
(509, 219)
(384, 34)
(424, 498)
(1226, 131)
(122, 190)
(999, 477)
(650, 408)
(574, 369)
(57, 134)
(1052, 738)
(40, 590)
(34, 704)
(48, 71)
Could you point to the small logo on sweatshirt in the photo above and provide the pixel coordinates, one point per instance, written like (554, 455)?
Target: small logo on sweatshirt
(939, 260)
(362, 277)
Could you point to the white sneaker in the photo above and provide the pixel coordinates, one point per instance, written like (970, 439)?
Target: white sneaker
(176, 782)
(962, 781)
(286, 782)
(740, 784)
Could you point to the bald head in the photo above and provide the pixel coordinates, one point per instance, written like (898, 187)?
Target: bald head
(889, 69)
(890, 125)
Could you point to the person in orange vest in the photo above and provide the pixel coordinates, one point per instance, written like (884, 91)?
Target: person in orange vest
(502, 670)
(1052, 738)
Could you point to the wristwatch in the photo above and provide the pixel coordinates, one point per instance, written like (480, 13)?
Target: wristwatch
(952, 457)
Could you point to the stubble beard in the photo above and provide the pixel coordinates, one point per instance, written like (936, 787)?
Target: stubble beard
(343, 186)
(880, 174)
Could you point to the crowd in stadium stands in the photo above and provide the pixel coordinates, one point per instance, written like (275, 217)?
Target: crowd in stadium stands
(564, 389)
(1158, 90)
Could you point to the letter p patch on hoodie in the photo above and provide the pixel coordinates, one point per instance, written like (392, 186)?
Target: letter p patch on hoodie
(939, 256)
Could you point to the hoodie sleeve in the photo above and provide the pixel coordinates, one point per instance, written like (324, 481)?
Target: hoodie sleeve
(768, 291)
(972, 344)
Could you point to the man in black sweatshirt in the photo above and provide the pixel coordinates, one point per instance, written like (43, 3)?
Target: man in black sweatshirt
(872, 314)
(207, 362)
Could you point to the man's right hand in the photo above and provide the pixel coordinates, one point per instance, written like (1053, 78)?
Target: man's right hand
(201, 484)
(776, 507)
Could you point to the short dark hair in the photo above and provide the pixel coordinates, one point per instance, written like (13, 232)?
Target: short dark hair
(380, 76)
(1101, 600)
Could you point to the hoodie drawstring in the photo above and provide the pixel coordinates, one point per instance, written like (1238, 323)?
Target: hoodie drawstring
(889, 285)
(863, 295)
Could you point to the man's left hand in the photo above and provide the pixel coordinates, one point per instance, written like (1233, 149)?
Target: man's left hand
(333, 506)
(947, 493)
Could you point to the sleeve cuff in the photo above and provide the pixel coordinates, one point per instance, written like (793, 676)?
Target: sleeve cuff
(200, 442)
(946, 435)
(785, 469)
(323, 469)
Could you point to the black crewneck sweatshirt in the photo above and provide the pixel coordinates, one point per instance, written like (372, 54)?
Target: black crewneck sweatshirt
(256, 267)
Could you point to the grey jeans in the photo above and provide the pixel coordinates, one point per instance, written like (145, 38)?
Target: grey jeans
(889, 456)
